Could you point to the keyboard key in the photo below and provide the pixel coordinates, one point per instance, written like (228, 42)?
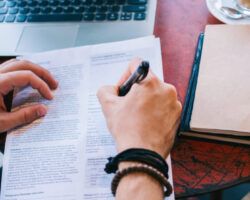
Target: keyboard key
(11, 4)
(2, 4)
(10, 18)
(3, 11)
(76, 2)
(57, 10)
(91, 9)
(68, 9)
(98, 2)
(100, 16)
(120, 2)
(112, 16)
(79, 9)
(138, 2)
(43, 3)
(114, 8)
(65, 2)
(13, 10)
(89, 17)
(35, 10)
(55, 18)
(126, 16)
(21, 18)
(46, 10)
(110, 2)
(21, 4)
(24, 10)
(53, 2)
(2, 18)
(32, 3)
(134, 8)
(140, 16)
(86, 2)
(102, 9)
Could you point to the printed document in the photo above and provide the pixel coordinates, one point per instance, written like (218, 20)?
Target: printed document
(62, 156)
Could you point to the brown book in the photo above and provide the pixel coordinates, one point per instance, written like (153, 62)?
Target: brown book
(221, 107)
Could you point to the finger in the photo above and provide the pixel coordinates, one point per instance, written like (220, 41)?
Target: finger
(8, 81)
(2, 104)
(16, 65)
(170, 90)
(20, 117)
(179, 108)
(107, 94)
(6, 63)
(131, 68)
(149, 84)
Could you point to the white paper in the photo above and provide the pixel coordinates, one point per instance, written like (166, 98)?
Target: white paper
(62, 156)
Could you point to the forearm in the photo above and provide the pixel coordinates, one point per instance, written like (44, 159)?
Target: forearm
(138, 186)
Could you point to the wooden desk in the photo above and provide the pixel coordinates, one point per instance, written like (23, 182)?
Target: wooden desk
(198, 167)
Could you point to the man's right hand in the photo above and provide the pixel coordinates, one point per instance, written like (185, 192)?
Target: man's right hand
(147, 117)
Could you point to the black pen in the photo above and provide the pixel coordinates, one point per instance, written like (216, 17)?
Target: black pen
(139, 75)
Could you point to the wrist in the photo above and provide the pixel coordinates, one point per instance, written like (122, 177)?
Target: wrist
(132, 139)
(140, 164)
(139, 186)
(158, 149)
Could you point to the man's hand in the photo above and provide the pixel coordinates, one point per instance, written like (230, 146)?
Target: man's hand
(147, 117)
(16, 73)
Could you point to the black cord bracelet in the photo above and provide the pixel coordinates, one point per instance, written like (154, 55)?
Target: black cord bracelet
(144, 156)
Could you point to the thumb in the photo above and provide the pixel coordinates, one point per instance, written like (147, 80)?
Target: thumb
(21, 116)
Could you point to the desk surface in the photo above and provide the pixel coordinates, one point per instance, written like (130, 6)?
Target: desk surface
(198, 167)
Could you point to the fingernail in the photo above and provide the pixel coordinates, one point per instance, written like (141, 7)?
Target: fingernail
(42, 111)
(52, 95)
(56, 81)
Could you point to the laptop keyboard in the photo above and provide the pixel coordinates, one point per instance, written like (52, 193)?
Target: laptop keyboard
(21, 11)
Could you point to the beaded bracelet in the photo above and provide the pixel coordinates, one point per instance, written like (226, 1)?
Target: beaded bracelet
(142, 168)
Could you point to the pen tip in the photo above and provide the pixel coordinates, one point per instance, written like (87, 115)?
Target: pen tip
(145, 64)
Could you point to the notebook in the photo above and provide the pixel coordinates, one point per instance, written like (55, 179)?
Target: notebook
(217, 105)
(62, 156)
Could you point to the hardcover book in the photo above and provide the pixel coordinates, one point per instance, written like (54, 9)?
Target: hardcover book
(217, 105)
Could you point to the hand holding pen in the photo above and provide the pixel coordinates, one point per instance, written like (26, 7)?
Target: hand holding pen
(147, 117)
(139, 75)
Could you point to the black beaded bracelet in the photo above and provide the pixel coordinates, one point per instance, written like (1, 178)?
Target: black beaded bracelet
(142, 169)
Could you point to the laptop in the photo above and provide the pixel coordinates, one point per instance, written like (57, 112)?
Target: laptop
(29, 26)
